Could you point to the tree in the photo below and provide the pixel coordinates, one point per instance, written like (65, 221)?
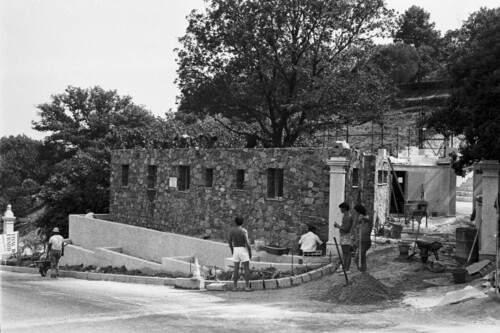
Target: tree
(94, 118)
(415, 29)
(398, 60)
(279, 65)
(88, 123)
(474, 65)
(78, 183)
(25, 164)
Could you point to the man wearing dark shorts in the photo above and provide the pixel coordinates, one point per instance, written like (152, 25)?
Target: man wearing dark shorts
(242, 252)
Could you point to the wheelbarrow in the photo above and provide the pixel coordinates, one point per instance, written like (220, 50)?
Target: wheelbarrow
(428, 248)
(43, 266)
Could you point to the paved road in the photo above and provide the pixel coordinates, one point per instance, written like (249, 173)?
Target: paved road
(34, 304)
(30, 303)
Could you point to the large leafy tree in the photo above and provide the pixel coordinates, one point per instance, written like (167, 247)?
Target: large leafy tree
(277, 69)
(78, 183)
(88, 123)
(474, 110)
(95, 118)
(416, 29)
(25, 164)
(398, 60)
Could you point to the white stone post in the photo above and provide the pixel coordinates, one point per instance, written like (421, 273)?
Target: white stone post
(8, 220)
(337, 196)
(489, 215)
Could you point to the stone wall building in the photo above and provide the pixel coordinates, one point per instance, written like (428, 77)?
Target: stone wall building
(198, 192)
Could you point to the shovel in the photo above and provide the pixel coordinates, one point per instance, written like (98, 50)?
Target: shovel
(342, 261)
(416, 237)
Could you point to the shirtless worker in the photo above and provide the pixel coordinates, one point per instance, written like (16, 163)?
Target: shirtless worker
(242, 252)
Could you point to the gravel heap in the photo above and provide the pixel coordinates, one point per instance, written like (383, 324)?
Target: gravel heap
(362, 289)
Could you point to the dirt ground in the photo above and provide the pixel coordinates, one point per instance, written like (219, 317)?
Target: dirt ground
(419, 291)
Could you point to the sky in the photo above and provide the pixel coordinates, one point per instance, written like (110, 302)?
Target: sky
(122, 45)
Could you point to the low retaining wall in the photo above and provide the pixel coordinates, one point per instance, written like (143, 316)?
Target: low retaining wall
(269, 284)
(144, 243)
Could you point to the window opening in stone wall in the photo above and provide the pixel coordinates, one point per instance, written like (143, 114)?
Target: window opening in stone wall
(386, 177)
(380, 177)
(209, 177)
(240, 179)
(151, 176)
(355, 177)
(125, 171)
(184, 178)
(274, 183)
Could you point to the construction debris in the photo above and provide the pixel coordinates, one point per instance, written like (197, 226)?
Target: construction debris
(481, 266)
(462, 295)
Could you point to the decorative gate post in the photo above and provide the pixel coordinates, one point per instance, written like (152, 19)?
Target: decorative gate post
(336, 197)
(9, 238)
(8, 220)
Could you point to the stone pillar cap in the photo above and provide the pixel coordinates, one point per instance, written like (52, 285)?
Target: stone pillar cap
(8, 213)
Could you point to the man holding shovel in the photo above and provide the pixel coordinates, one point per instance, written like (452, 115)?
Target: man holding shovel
(345, 235)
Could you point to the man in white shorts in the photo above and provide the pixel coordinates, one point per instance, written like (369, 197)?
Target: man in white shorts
(242, 252)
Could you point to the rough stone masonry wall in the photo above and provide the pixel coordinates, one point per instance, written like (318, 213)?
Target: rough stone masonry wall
(368, 191)
(210, 211)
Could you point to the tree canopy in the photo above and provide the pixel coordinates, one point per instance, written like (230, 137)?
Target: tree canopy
(399, 61)
(474, 65)
(415, 29)
(288, 67)
(94, 118)
(25, 165)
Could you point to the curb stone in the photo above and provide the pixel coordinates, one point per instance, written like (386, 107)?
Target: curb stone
(271, 284)
(255, 284)
(284, 282)
(296, 280)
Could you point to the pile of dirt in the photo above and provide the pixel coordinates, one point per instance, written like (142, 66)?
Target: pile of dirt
(362, 289)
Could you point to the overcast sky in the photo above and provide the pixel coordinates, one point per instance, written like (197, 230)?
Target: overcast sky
(123, 45)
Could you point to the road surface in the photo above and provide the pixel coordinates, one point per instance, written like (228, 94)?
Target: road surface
(31, 303)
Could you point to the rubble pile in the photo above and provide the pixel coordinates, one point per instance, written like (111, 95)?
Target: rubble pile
(362, 289)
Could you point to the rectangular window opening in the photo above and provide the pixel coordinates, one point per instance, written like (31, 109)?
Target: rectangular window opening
(209, 177)
(355, 177)
(184, 178)
(152, 169)
(240, 179)
(125, 172)
(275, 183)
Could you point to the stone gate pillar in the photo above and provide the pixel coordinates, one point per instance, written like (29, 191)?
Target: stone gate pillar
(8, 220)
(487, 244)
(336, 197)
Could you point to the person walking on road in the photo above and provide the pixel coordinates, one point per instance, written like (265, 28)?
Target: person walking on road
(56, 243)
(345, 235)
(241, 251)
(365, 225)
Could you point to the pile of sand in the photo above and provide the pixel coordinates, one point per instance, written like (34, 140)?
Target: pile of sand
(362, 289)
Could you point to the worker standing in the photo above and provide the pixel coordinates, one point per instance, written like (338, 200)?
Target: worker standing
(56, 243)
(365, 225)
(345, 235)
